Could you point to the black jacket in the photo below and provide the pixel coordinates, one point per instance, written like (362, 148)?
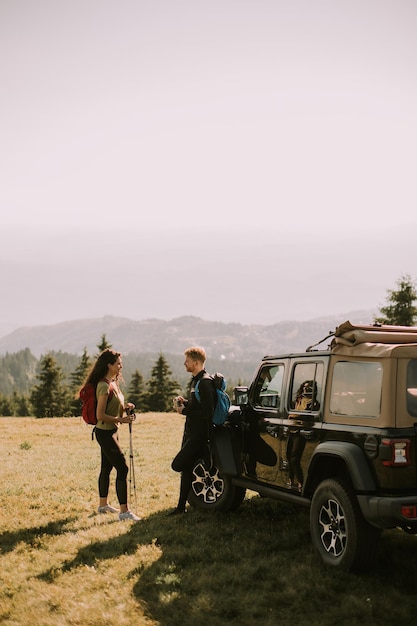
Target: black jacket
(200, 413)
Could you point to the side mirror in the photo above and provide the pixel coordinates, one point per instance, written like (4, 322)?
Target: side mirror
(240, 396)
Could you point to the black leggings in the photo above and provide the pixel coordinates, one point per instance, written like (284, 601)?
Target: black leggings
(111, 456)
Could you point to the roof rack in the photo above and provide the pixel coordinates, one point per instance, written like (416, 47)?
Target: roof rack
(348, 334)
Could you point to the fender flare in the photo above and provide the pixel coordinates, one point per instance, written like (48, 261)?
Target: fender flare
(354, 459)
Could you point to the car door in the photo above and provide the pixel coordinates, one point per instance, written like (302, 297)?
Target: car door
(263, 422)
(301, 421)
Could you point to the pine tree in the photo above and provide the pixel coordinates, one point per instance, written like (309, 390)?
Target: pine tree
(6, 406)
(21, 405)
(104, 344)
(161, 387)
(136, 392)
(50, 398)
(77, 378)
(402, 311)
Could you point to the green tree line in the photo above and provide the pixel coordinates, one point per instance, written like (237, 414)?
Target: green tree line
(50, 387)
(22, 374)
(56, 395)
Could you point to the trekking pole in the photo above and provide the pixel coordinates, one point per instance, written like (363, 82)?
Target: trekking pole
(132, 467)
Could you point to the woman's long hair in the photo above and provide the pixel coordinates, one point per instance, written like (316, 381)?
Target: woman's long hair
(308, 389)
(100, 367)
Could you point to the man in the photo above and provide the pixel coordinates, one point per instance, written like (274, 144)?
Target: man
(198, 419)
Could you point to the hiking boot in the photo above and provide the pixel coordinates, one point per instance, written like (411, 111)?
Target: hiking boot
(129, 516)
(107, 509)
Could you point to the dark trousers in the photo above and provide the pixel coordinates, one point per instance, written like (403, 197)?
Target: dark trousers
(111, 456)
(191, 450)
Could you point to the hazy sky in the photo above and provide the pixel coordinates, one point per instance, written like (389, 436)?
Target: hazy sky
(238, 160)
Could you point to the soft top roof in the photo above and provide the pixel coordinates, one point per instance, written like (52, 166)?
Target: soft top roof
(375, 340)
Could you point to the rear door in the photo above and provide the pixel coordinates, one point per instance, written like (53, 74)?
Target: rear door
(301, 420)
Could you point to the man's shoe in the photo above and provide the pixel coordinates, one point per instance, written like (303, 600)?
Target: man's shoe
(107, 509)
(176, 511)
(129, 516)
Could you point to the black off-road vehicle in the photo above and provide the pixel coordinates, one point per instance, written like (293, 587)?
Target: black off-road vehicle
(334, 430)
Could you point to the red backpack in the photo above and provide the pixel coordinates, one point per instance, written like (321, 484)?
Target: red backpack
(89, 403)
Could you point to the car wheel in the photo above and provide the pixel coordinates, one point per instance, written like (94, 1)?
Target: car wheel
(339, 532)
(210, 490)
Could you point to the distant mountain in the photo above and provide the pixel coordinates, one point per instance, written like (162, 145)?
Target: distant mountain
(223, 341)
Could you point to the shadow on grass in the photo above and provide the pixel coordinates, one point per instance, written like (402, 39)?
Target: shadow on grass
(11, 538)
(255, 566)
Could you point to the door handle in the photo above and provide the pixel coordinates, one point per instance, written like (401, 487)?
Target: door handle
(272, 430)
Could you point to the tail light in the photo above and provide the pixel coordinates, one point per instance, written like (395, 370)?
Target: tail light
(395, 452)
(409, 511)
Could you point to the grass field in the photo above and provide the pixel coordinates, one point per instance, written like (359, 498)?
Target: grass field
(63, 564)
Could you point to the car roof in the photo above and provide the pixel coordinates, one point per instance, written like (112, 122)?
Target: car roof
(294, 355)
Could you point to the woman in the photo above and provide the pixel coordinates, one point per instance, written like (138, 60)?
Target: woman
(105, 375)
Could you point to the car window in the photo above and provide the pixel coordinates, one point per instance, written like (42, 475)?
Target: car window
(306, 386)
(268, 389)
(412, 387)
(356, 389)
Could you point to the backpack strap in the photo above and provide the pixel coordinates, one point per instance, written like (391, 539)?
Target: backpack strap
(109, 397)
(111, 389)
(197, 391)
(196, 388)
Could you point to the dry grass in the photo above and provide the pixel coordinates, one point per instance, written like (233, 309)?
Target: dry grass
(63, 564)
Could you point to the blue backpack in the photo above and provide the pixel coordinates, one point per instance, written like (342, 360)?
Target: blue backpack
(223, 401)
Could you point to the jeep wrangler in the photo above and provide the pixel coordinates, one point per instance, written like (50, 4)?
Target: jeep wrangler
(333, 430)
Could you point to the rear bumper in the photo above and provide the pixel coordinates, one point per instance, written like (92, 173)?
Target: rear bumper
(386, 512)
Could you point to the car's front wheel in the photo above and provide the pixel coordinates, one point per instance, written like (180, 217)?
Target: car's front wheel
(210, 490)
(339, 532)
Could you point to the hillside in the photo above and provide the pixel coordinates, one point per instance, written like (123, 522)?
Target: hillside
(222, 341)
